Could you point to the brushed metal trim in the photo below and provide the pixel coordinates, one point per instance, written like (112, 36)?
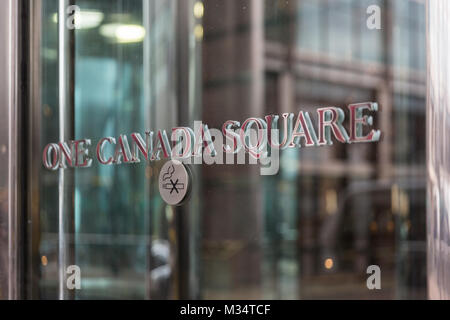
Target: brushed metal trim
(13, 223)
(66, 133)
(34, 146)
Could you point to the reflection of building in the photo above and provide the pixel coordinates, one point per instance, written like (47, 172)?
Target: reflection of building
(278, 56)
(308, 232)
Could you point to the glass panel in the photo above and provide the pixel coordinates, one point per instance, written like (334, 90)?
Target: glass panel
(48, 195)
(124, 238)
(309, 231)
(111, 215)
(313, 230)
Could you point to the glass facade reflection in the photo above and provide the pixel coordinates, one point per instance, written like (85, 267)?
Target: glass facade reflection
(330, 212)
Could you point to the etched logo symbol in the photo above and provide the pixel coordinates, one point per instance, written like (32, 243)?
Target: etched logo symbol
(174, 182)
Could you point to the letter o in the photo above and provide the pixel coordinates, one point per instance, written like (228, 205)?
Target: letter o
(51, 162)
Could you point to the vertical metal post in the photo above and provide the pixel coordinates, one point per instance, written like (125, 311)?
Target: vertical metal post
(182, 218)
(34, 112)
(438, 155)
(188, 82)
(66, 133)
(4, 157)
(13, 97)
(13, 211)
(150, 120)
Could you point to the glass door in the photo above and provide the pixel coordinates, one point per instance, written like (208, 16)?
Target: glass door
(107, 74)
(106, 69)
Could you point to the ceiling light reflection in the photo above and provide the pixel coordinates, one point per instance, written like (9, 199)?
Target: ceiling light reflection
(198, 32)
(123, 33)
(199, 10)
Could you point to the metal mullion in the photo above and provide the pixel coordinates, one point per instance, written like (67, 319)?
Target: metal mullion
(66, 133)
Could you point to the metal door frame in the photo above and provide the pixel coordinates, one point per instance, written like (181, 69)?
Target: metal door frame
(13, 100)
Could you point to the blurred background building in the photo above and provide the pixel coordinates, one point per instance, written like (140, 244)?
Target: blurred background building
(312, 230)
